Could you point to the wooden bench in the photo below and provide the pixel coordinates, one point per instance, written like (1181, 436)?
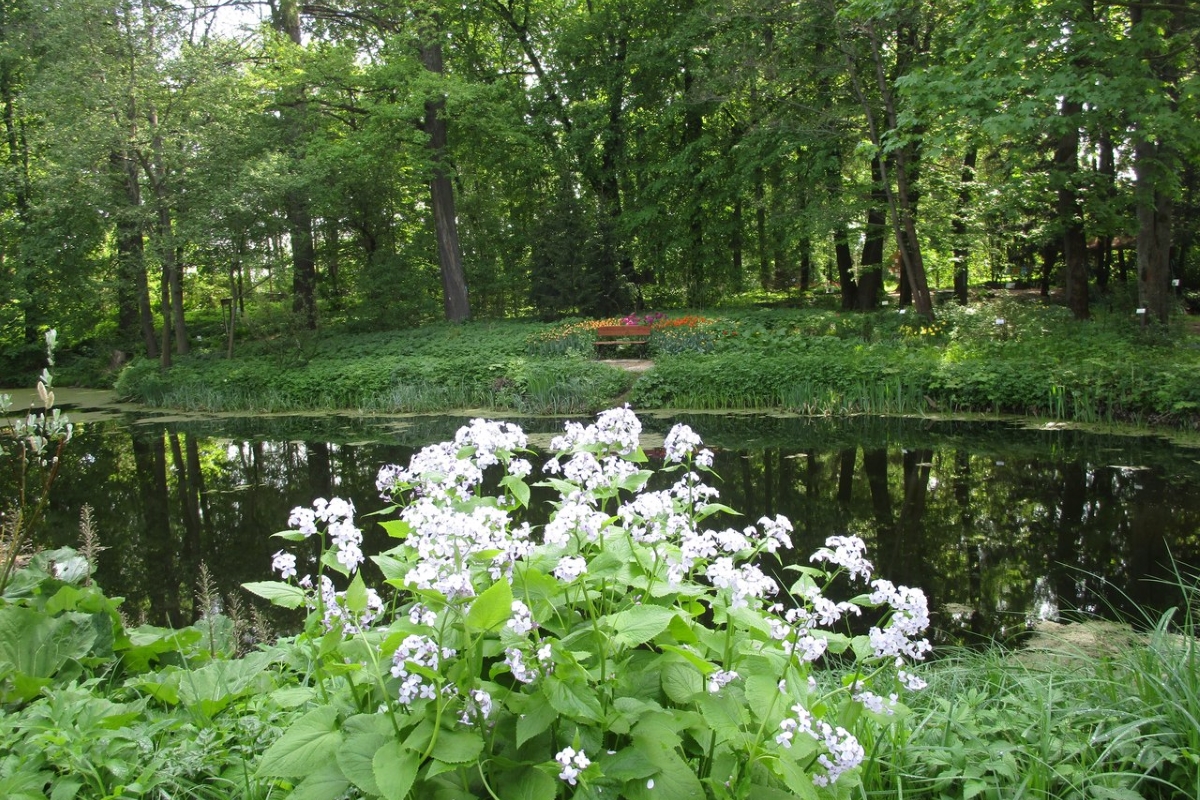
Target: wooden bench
(622, 335)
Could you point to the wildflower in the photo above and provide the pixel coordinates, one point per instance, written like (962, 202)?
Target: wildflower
(847, 553)
(516, 664)
(522, 620)
(284, 564)
(680, 443)
(573, 763)
(570, 568)
(479, 704)
(742, 582)
(719, 678)
(911, 682)
(421, 651)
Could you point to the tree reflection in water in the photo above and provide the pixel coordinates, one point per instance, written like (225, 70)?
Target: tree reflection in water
(994, 522)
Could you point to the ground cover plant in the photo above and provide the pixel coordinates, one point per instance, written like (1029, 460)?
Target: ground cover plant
(636, 644)
(1002, 355)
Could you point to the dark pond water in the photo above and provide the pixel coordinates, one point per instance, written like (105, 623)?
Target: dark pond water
(999, 524)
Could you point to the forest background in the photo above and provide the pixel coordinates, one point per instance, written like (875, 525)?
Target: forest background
(363, 164)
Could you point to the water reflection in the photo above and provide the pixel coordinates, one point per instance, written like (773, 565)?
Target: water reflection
(994, 522)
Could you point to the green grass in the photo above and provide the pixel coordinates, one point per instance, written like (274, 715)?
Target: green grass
(998, 356)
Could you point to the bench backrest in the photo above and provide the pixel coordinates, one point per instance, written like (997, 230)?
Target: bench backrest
(623, 330)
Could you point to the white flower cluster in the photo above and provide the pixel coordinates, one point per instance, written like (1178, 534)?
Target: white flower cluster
(718, 679)
(438, 470)
(908, 620)
(846, 552)
(876, 703)
(573, 762)
(743, 581)
(338, 516)
(285, 564)
(843, 750)
(337, 613)
(478, 706)
(617, 430)
(419, 651)
(445, 534)
(515, 658)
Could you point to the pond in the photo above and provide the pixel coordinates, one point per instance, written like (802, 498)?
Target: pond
(999, 523)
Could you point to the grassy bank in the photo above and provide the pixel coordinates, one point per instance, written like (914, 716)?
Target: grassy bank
(995, 356)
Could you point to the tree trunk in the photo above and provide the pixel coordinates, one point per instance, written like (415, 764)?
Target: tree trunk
(286, 19)
(1154, 214)
(870, 268)
(1070, 215)
(845, 266)
(134, 315)
(441, 190)
(962, 252)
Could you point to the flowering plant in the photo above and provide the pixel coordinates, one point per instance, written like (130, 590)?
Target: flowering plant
(626, 647)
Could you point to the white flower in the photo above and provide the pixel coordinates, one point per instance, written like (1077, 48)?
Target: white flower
(570, 568)
(719, 678)
(572, 763)
(285, 564)
(846, 552)
(680, 443)
(522, 620)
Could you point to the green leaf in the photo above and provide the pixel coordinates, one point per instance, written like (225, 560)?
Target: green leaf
(396, 528)
(291, 536)
(356, 594)
(536, 716)
(526, 783)
(638, 624)
(795, 778)
(325, 783)
(458, 747)
(724, 714)
(395, 770)
(356, 756)
(310, 743)
(574, 700)
(690, 656)
(38, 647)
(280, 594)
(627, 764)
(491, 609)
(518, 487)
(681, 682)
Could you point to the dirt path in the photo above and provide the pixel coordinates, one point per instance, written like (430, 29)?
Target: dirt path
(629, 364)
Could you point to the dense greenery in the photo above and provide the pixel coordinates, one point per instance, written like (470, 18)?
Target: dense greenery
(998, 356)
(381, 166)
(96, 707)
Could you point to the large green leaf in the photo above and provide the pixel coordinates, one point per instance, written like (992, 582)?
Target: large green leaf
(574, 700)
(356, 758)
(280, 594)
(37, 647)
(395, 770)
(458, 746)
(535, 717)
(639, 624)
(491, 609)
(324, 783)
(309, 744)
(526, 783)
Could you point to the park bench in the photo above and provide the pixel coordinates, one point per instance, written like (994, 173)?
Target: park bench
(622, 335)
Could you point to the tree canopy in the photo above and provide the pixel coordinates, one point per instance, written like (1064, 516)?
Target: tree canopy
(386, 163)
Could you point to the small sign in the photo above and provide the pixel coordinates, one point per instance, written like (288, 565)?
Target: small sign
(1141, 311)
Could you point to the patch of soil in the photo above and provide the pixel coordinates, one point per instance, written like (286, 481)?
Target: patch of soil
(629, 364)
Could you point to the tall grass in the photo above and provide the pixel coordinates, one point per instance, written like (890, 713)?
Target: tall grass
(1115, 718)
